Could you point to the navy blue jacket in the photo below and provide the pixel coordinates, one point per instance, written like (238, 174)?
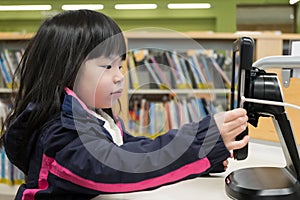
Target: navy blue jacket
(73, 156)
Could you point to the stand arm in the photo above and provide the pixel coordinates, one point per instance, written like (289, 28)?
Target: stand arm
(278, 62)
(287, 140)
(287, 63)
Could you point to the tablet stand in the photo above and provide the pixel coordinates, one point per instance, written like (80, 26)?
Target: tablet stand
(269, 182)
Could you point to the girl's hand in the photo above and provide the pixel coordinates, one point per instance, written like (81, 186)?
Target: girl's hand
(226, 162)
(230, 125)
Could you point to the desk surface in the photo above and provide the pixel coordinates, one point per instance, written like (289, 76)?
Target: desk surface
(209, 188)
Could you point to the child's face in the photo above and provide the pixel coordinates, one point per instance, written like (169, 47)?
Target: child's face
(100, 81)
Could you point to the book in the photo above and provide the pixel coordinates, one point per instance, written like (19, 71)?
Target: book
(131, 116)
(134, 80)
(152, 119)
(206, 70)
(2, 165)
(167, 111)
(166, 68)
(196, 108)
(161, 119)
(144, 78)
(19, 54)
(186, 73)
(192, 112)
(184, 112)
(201, 107)
(182, 83)
(223, 74)
(134, 115)
(2, 82)
(179, 113)
(165, 83)
(198, 71)
(194, 74)
(174, 114)
(175, 74)
(9, 174)
(146, 117)
(153, 75)
(12, 60)
(5, 72)
(143, 115)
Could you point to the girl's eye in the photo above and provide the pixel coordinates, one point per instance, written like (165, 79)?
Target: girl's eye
(106, 66)
(120, 67)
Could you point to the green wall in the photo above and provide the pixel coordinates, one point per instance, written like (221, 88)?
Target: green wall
(219, 18)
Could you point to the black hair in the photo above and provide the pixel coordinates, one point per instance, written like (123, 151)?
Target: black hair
(54, 55)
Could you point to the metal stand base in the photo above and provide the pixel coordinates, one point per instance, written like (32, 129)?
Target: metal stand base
(262, 183)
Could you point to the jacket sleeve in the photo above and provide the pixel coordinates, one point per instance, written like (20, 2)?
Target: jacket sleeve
(96, 165)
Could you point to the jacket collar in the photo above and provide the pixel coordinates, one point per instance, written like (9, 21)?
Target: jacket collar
(75, 114)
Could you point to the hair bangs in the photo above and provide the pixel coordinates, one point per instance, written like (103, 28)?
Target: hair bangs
(112, 46)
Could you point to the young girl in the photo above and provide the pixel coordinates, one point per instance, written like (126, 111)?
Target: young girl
(63, 135)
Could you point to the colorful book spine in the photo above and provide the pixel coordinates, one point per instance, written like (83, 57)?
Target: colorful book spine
(132, 71)
(221, 72)
(186, 73)
(180, 74)
(162, 120)
(152, 73)
(152, 116)
(9, 174)
(5, 72)
(199, 71)
(165, 82)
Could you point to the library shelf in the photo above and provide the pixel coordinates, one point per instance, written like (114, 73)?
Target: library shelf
(8, 192)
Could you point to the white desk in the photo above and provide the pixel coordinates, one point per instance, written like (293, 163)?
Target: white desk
(208, 188)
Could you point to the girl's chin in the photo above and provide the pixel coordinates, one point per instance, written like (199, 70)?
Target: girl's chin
(108, 105)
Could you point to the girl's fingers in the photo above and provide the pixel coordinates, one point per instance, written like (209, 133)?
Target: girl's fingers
(229, 120)
(230, 125)
(232, 131)
(234, 114)
(238, 144)
(225, 164)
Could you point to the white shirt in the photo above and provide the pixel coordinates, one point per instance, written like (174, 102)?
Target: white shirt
(110, 126)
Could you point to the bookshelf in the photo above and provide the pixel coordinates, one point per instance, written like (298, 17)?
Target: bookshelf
(9, 41)
(7, 192)
(266, 44)
(201, 92)
(11, 47)
(181, 43)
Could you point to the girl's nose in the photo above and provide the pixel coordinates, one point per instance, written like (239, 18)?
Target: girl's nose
(118, 77)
